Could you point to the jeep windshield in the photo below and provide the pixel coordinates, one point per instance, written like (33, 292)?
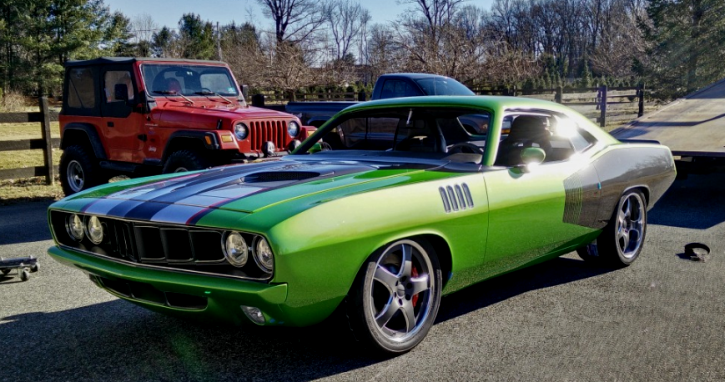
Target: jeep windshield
(188, 80)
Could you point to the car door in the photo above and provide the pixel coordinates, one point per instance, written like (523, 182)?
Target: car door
(540, 209)
(122, 126)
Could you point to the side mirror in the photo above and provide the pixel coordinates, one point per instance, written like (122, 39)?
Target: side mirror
(120, 92)
(245, 91)
(531, 157)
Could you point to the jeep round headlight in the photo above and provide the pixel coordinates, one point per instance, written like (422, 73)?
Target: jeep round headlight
(236, 250)
(263, 255)
(241, 131)
(94, 228)
(74, 226)
(293, 129)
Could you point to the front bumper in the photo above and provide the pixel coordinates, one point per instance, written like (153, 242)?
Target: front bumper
(178, 293)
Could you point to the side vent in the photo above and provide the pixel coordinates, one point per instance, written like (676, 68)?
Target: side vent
(456, 197)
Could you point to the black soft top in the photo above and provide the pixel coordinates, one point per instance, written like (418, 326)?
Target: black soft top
(127, 60)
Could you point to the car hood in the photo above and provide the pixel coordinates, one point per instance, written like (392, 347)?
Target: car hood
(206, 114)
(243, 188)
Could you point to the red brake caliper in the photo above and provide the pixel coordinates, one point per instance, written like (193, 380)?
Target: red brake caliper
(414, 273)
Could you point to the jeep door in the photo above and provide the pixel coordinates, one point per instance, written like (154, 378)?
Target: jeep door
(122, 126)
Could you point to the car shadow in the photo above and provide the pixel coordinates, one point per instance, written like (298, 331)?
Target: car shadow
(692, 203)
(24, 222)
(117, 340)
(545, 275)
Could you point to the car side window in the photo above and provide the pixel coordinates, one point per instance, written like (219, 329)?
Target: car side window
(113, 78)
(81, 92)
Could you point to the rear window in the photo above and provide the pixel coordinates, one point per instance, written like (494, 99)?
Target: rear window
(443, 86)
(81, 94)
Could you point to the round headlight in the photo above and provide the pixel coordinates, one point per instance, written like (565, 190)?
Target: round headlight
(241, 131)
(293, 129)
(74, 226)
(263, 255)
(236, 250)
(94, 228)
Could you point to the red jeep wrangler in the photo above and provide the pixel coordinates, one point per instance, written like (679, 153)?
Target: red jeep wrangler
(143, 116)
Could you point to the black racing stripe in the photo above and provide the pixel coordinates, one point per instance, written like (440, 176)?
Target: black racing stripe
(122, 209)
(145, 211)
(209, 180)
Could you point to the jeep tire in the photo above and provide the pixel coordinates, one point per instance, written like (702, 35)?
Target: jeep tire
(185, 160)
(78, 170)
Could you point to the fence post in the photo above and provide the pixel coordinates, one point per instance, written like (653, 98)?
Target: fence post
(48, 142)
(603, 105)
(640, 95)
(558, 96)
(361, 96)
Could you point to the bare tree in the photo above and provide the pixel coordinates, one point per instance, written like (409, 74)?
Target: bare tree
(143, 28)
(346, 19)
(294, 20)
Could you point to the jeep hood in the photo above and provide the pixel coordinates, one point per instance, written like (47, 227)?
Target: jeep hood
(205, 115)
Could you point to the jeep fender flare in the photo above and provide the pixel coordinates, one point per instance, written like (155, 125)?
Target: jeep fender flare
(72, 132)
(179, 139)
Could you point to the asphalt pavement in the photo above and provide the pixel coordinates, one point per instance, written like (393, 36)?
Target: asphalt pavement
(661, 319)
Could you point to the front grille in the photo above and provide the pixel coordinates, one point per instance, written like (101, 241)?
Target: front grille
(177, 247)
(263, 131)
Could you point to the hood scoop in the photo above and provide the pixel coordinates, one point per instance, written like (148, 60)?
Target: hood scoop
(279, 176)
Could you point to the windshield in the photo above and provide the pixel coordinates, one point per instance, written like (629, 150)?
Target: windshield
(415, 132)
(443, 86)
(188, 80)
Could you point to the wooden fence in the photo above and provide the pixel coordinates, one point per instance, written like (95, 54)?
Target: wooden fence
(610, 105)
(601, 104)
(46, 143)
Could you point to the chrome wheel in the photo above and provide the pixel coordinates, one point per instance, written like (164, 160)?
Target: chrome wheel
(75, 176)
(181, 169)
(621, 241)
(400, 293)
(630, 224)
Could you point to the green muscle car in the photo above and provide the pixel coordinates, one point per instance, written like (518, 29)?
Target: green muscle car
(384, 209)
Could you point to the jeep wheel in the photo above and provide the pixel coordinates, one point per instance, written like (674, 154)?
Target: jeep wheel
(78, 171)
(185, 160)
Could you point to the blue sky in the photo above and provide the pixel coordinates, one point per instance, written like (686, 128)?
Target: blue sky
(168, 12)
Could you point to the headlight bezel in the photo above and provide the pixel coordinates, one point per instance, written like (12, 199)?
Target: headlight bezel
(69, 227)
(264, 267)
(90, 231)
(241, 131)
(234, 261)
(297, 129)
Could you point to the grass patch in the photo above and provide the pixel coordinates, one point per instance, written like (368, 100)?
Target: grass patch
(30, 130)
(26, 158)
(15, 191)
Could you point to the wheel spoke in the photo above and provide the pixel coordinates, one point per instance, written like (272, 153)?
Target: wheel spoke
(387, 313)
(386, 278)
(627, 209)
(407, 264)
(420, 284)
(409, 315)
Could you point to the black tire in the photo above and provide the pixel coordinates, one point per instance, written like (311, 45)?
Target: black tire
(78, 170)
(392, 306)
(24, 274)
(621, 241)
(185, 160)
(5, 271)
(35, 267)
